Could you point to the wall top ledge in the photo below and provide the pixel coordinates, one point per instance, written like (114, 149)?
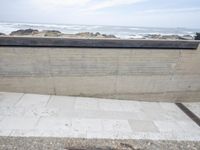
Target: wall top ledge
(97, 43)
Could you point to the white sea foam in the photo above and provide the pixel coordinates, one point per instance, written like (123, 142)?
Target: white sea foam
(119, 31)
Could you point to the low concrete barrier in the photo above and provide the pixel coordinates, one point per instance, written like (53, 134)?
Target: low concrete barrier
(97, 43)
(148, 74)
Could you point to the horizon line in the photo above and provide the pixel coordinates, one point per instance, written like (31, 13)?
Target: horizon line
(45, 23)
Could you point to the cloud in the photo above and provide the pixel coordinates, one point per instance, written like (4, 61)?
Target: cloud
(60, 3)
(111, 3)
(172, 10)
(87, 5)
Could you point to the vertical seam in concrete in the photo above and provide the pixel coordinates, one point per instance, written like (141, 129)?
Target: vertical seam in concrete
(175, 69)
(116, 79)
(177, 62)
(50, 71)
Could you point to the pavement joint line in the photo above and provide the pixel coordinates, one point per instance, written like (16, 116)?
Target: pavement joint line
(38, 121)
(189, 113)
(19, 99)
(48, 100)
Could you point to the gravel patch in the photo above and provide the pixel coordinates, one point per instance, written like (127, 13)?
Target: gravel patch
(41, 143)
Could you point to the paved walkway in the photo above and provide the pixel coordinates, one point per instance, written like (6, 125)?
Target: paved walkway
(77, 117)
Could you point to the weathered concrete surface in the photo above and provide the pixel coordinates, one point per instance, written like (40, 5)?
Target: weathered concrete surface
(144, 74)
(97, 43)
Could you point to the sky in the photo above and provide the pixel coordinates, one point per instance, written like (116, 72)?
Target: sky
(145, 13)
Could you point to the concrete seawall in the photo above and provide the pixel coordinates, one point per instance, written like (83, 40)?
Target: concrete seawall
(135, 74)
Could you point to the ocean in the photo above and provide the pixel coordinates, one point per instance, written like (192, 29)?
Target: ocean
(119, 31)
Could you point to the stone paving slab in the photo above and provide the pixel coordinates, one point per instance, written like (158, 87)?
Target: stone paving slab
(33, 100)
(61, 102)
(9, 99)
(31, 115)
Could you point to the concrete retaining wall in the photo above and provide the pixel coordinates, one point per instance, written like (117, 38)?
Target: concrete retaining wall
(144, 74)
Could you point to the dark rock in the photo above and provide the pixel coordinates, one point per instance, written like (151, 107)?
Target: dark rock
(25, 32)
(2, 34)
(152, 36)
(53, 33)
(186, 37)
(94, 35)
(197, 37)
(168, 37)
(110, 36)
(85, 34)
(97, 34)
